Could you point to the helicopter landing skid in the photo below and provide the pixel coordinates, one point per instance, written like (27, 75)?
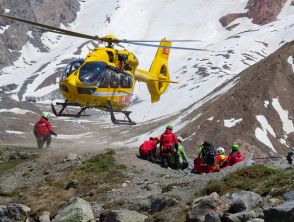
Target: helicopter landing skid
(64, 107)
(120, 121)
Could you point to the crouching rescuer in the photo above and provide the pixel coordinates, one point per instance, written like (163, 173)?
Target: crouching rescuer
(43, 131)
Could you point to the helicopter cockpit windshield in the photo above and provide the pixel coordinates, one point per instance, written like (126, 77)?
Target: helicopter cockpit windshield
(71, 67)
(104, 76)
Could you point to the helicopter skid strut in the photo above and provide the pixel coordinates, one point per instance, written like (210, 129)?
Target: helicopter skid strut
(64, 105)
(129, 121)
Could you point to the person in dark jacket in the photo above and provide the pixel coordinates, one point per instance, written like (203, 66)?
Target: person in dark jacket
(168, 146)
(43, 131)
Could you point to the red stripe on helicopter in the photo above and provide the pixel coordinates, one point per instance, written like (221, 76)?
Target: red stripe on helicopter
(165, 51)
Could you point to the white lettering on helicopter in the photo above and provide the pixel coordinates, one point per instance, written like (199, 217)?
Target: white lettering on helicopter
(165, 51)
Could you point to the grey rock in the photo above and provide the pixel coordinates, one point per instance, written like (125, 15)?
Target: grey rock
(282, 213)
(159, 202)
(237, 206)
(243, 216)
(122, 216)
(45, 217)
(153, 204)
(76, 209)
(256, 220)
(205, 205)
(289, 195)
(14, 212)
(212, 217)
(250, 199)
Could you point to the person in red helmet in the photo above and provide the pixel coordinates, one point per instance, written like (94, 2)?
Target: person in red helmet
(43, 131)
(235, 156)
(168, 146)
(147, 150)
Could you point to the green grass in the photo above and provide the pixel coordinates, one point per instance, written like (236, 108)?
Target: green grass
(95, 177)
(257, 178)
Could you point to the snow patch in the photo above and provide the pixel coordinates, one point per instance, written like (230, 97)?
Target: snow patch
(6, 10)
(266, 103)
(14, 132)
(16, 111)
(288, 126)
(261, 133)
(231, 122)
(73, 137)
(29, 33)
(3, 29)
(291, 61)
(210, 118)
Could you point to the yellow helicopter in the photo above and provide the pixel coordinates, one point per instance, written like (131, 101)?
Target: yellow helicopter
(105, 78)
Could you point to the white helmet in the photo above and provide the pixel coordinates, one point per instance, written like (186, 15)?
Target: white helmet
(180, 139)
(220, 150)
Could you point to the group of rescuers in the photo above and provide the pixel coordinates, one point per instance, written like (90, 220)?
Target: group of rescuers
(169, 151)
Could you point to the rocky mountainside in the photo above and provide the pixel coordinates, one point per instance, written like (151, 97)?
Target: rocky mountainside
(258, 106)
(15, 35)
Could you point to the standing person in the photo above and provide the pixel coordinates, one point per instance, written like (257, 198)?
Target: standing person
(235, 156)
(183, 160)
(168, 146)
(148, 149)
(43, 131)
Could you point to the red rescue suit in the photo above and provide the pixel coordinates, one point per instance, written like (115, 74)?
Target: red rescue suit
(42, 128)
(168, 143)
(147, 146)
(234, 157)
(200, 167)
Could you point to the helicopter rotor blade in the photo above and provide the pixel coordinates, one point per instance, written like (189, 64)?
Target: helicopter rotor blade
(52, 28)
(171, 47)
(130, 41)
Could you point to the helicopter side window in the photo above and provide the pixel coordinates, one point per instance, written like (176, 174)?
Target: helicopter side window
(115, 79)
(104, 83)
(71, 67)
(91, 73)
(125, 80)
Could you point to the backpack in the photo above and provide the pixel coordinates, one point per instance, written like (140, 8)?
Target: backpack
(208, 154)
(167, 142)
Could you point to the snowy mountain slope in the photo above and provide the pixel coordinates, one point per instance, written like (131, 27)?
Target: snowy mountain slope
(201, 75)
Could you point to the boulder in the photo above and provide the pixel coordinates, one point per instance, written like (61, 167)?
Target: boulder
(289, 196)
(45, 217)
(153, 204)
(243, 216)
(283, 212)
(159, 202)
(256, 220)
(77, 209)
(248, 199)
(205, 205)
(14, 212)
(212, 217)
(122, 216)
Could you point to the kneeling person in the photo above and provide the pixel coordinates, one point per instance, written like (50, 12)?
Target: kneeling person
(148, 149)
(179, 160)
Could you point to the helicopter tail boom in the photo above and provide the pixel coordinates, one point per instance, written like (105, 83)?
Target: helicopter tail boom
(157, 78)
